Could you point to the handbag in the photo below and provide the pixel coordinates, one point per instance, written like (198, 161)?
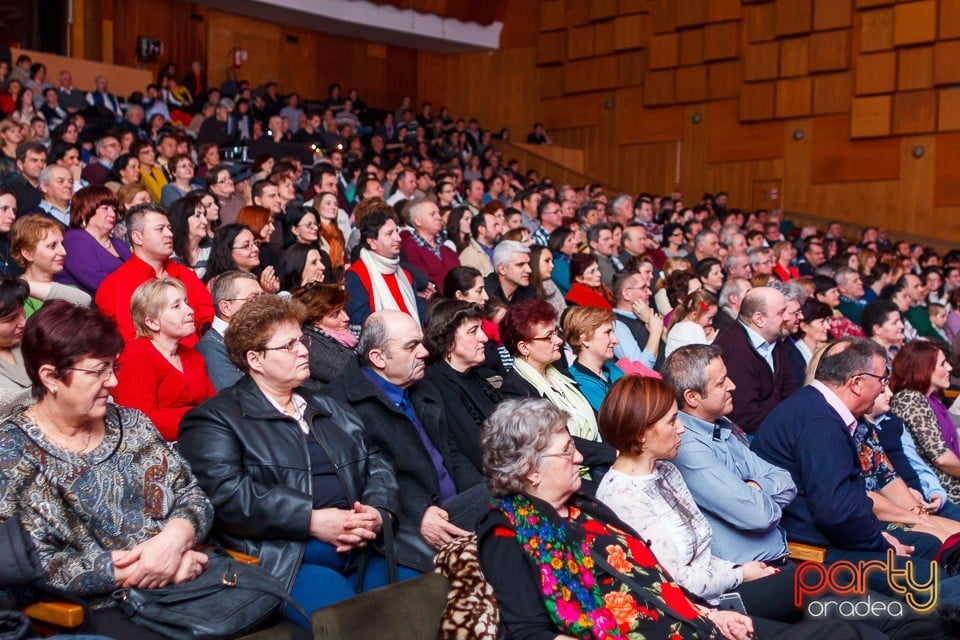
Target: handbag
(228, 599)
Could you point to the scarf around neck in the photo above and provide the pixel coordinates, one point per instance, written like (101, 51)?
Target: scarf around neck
(564, 394)
(378, 267)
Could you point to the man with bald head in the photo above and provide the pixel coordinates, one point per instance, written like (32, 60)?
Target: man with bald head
(755, 358)
(442, 494)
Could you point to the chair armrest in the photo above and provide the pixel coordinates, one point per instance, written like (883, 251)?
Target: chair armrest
(66, 615)
(800, 552)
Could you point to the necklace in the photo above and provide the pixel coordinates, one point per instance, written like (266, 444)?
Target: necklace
(59, 440)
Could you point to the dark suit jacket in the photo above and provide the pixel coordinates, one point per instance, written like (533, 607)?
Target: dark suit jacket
(390, 431)
(758, 389)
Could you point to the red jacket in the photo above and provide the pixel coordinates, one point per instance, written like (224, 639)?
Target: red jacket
(147, 381)
(114, 293)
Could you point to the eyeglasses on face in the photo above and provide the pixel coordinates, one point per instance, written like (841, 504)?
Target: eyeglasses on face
(550, 337)
(103, 373)
(252, 296)
(568, 452)
(884, 379)
(291, 345)
(246, 246)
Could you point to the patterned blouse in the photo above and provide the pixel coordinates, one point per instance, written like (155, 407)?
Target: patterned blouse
(877, 470)
(660, 507)
(78, 507)
(918, 417)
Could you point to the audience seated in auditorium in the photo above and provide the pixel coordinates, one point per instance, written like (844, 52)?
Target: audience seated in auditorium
(589, 333)
(231, 290)
(327, 324)
(422, 249)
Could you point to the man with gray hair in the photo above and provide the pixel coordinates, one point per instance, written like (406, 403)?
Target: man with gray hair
(600, 239)
(731, 295)
(756, 360)
(706, 244)
(107, 149)
(761, 260)
(442, 495)
(56, 185)
(510, 280)
(231, 290)
(745, 515)
(622, 208)
(422, 249)
(850, 286)
(812, 436)
(737, 265)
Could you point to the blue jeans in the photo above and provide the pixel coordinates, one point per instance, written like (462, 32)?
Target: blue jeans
(949, 510)
(327, 577)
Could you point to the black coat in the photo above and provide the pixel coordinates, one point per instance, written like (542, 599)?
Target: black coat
(598, 456)
(468, 399)
(391, 431)
(253, 464)
(327, 358)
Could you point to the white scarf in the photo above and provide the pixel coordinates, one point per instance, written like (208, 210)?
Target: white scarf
(378, 266)
(563, 393)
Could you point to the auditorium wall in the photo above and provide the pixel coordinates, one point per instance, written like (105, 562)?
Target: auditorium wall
(845, 109)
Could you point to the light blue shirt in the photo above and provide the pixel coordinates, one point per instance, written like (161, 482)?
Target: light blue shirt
(627, 346)
(58, 214)
(764, 348)
(745, 521)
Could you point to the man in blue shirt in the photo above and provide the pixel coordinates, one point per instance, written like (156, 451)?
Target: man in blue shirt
(741, 495)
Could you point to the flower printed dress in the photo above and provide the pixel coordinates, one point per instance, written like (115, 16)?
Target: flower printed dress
(584, 599)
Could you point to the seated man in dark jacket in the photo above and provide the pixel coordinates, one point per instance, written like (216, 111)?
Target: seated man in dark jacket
(810, 434)
(441, 493)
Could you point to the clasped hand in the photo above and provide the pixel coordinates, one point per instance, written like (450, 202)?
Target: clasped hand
(346, 529)
(166, 558)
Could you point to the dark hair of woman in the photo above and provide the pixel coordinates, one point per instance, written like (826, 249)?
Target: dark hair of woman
(460, 240)
(13, 292)
(61, 334)
(290, 268)
(459, 279)
(221, 252)
(443, 320)
(179, 215)
(558, 237)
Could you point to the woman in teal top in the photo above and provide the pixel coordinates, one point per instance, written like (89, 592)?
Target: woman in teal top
(589, 332)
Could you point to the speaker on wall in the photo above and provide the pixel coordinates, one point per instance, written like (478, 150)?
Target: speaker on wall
(149, 49)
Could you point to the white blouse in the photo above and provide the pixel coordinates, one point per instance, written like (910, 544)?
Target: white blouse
(660, 508)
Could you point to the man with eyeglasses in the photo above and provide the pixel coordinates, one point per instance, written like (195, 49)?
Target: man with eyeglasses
(231, 290)
(548, 212)
(811, 435)
(151, 238)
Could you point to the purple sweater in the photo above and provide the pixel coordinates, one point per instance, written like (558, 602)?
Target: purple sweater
(87, 262)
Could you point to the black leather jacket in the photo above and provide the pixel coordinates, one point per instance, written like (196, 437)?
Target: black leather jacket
(253, 464)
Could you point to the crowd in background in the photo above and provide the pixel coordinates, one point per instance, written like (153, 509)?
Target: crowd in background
(335, 332)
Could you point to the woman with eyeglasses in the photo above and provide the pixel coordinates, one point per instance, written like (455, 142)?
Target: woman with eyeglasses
(529, 332)
(159, 375)
(235, 247)
(673, 241)
(105, 501)
(290, 472)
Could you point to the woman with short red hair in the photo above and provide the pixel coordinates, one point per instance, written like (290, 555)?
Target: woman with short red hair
(919, 376)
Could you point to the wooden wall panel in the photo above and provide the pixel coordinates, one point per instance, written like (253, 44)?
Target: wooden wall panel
(660, 87)
(740, 142)
(761, 22)
(914, 22)
(945, 67)
(664, 50)
(832, 14)
(632, 65)
(691, 47)
(631, 32)
(876, 30)
(762, 61)
(835, 158)
(794, 16)
(553, 15)
(915, 112)
(692, 84)
(914, 68)
(871, 117)
(831, 93)
(949, 19)
(691, 13)
(721, 41)
(947, 170)
(758, 101)
(948, 110)
(876, 73)
(580, 42)
(723, 10)
(830, 50)
(724, 79)
(794, 97)
(551, 47)
(794, 57)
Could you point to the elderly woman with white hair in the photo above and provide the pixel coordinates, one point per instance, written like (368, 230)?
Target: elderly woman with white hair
(159, 374)
(563, 565)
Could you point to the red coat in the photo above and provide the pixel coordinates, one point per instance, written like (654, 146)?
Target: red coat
(583, 296)
(426, 261)
(114, 293)
(147, 381)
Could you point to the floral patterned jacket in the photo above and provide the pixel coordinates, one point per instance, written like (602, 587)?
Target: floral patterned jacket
(79, 507)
